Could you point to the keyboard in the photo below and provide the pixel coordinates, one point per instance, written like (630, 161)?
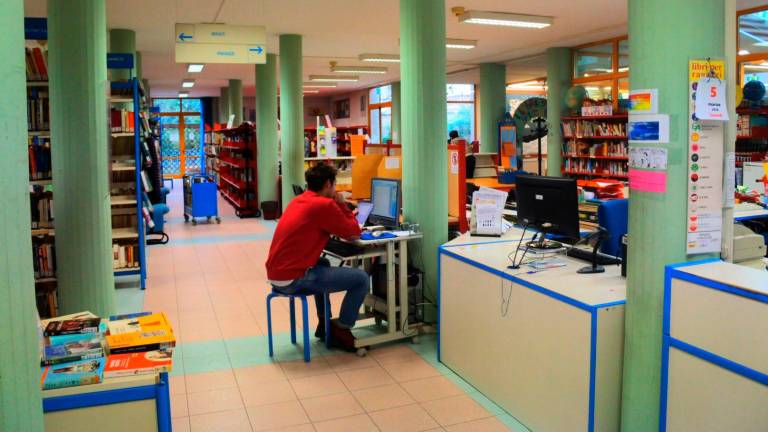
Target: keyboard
(342, 249)
(586, 255)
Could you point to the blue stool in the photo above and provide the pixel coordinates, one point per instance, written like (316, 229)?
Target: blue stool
(305, 320)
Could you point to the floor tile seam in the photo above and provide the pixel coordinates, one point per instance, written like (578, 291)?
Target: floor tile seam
(489, 414)
(293, 392)
(365, 388)
(349, 416)
(216, 411)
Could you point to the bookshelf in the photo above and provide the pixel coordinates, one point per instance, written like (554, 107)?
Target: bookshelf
(237, 169)
(595, 146)
(129, 185)
(751, 134)
(212, 150)
(343, 140)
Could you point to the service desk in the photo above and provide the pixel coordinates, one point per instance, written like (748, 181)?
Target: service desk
(715, 348)
(547, 347)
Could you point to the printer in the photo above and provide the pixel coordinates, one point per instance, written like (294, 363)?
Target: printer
(747, 245)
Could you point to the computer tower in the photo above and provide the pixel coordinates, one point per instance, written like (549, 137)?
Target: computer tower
(415, 289)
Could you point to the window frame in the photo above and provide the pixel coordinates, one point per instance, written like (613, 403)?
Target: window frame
(474, 108)
(742, 59)
(614, 76)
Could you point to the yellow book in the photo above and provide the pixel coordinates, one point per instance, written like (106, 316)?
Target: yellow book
(145, 333)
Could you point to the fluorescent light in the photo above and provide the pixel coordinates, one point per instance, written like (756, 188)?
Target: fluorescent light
(743, 52)
(505, 19)
(334, 78)
(359, 69)
(460, 43)
(528, 85)
(188, 83)
(319, 85)
(624, 69)
(383, 58)
(311, 91)
(183, 94)
(756, 67)
(195, 68)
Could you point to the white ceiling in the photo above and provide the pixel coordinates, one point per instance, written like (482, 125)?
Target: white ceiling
(340, 30)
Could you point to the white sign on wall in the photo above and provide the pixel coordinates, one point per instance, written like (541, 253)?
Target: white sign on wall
(220, 43)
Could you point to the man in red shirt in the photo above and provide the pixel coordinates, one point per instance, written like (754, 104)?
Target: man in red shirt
(294, 264)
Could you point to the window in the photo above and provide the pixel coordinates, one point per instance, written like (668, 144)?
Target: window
(603, 69)
(593, 60)
(380, 114)
(753, 32)
(461, 110)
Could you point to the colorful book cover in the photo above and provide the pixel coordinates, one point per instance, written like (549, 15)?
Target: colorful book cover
(75, 350)
(128, 316)
(86, 325)
(151, 332)
(72, 374)
(138, 363)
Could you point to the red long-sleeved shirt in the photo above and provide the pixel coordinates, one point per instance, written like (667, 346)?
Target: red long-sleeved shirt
(307, 223)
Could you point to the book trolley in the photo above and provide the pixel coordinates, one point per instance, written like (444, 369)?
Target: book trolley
(238, 170)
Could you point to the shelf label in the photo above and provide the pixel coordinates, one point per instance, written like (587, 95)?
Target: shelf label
(220, 43)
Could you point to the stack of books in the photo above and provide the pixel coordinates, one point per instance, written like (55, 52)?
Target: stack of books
(122, 121)
(125, 256)
(37, 63)
(39, 157)
(82, 348)
(41, 206)
(44, 260)
(38, 103)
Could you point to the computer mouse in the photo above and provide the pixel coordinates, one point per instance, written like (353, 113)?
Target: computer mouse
(376, 234)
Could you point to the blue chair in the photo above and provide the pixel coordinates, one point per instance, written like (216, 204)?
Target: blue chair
(613, 215)
(305, 320)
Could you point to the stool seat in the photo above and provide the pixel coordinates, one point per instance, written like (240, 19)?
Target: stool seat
(305, 319)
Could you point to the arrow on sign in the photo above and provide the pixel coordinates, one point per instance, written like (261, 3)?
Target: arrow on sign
(183, 37)
(258, 49)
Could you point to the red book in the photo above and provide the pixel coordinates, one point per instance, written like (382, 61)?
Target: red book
(116, 120)
(138, 363)
(40, 63)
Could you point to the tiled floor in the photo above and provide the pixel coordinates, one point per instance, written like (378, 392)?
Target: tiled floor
(210, 281)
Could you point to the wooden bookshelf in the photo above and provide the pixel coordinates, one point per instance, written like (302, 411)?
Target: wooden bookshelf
(236, 165)
(595, 146)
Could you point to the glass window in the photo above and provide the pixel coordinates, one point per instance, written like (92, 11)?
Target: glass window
(599, 90)
(168, 105)
(460, 93)
(753, 33)
(623, 94)
(514, 100)
(593, 60)
(192, 105)
(381, 94)
(374, 96)
(461, 118)
(386, 124)
(624, 55)
(375, 126)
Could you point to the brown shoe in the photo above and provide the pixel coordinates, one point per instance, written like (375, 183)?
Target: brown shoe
(342, 338)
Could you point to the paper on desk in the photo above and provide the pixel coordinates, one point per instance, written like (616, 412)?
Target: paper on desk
(488, 219)
(490, 196)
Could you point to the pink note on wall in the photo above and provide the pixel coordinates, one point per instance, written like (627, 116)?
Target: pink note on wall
(648, 181)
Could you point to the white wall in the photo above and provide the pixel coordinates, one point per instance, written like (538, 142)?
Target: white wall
(358, 116)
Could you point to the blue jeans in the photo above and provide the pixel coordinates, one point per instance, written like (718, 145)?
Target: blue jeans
(322, 278)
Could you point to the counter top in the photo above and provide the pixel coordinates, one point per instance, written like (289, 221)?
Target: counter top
(735, 275)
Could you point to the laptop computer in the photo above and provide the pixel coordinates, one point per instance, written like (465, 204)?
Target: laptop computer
(364, 209)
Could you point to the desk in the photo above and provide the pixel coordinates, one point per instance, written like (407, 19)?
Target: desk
(491, 182)
(714, 374)
(395, 251)
(546, 347)
(125, 404)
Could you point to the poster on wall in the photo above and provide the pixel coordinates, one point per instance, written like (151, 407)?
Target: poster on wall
(644, 101)
(648, 128)
(705, 167)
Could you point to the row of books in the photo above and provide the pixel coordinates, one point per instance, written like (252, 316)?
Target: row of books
(41, 206)
(81, 349)
(38, 107)
(37, 63)
(125, 256)
(602, 167)
(743, 125)
(39, 157)
(605, 148)
(44, 260)
(122, 121)
(591, 128)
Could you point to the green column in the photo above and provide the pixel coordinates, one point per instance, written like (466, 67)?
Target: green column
(123, 41)
(137, 65)
(493, 104)
(559, 73)
(730, 32)
(660, 46)
(236, 100)
(291, 115)
(396, 110)
(266, 127)
(77, 64)
(425, 153)
(20, 406)
(224, 105)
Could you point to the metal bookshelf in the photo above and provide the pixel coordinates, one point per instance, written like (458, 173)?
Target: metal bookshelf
(126, 186)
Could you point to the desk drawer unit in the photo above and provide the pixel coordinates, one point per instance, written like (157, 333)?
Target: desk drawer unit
(715, 349)
(551, 362)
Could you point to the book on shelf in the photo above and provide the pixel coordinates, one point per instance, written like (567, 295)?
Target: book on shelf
(145, 333)
(125, 256)
(145, 182)
(592, 128)
(37, 63)
(72, 326)
(41, 206)
(138, 363)
(576, 147)
(39, 148)
(599, 167)
(61, 339)
(83, 349)
(743, 125)
(44, 260)
(122, 121)
(38, 106)
(72, 374)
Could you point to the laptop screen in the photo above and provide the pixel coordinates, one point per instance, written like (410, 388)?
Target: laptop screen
(364, 209)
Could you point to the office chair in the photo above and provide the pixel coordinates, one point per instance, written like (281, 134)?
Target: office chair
(613, 215)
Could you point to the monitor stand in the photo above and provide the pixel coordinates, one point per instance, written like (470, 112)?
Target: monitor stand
(542, 243)
(601, 235)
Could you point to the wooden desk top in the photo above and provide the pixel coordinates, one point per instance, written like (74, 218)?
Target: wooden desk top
(491, 182)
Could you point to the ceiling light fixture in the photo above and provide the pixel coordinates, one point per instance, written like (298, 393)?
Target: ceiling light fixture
(756, 67)
(311, 91)
(319, 85)
(460, 43)
(381, 58)
(195, 68)
(743, 52)
(502, 19)
(624, 69)
(334, 78)
(183, 94)
(357, 69)
(188, 83)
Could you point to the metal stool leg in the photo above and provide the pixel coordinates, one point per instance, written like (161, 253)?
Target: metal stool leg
(269, 323)
(327, 302)
(305, 322)
(293, 320)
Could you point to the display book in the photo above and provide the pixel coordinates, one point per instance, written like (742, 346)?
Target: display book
(82, 348)
(595, 146)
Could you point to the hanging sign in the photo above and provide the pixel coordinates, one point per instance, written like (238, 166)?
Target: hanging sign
(705, 165)
(710, 99)
(220, 43)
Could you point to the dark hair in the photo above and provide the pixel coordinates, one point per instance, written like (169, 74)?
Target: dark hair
(318, 175)
(453, 134)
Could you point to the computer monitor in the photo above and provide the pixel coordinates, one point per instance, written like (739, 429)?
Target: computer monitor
(550, 204)
(385, 196)
(364, 209)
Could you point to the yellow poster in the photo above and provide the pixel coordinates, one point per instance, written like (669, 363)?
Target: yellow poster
(700, 69)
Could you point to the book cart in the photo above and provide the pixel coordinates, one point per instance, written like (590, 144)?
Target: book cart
(238, 170)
